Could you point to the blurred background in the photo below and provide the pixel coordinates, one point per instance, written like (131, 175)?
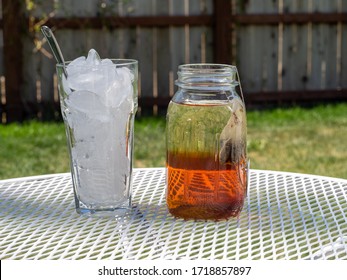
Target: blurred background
(291, 56)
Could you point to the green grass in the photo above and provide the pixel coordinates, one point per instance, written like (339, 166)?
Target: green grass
(300, 140)
(149, 143)
(297, 140)
(31, 149)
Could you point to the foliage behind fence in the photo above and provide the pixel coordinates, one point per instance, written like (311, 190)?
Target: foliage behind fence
(286, 50)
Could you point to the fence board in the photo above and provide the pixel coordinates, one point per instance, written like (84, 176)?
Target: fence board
(2, 72)
(261, 6)
(161, 54)
(206, 8)
(163, 67)
(196, 33)
(343, 73)
(343, 47)
(178, 7)
(30, 65)
(194, 43)
(146, 52)
(258, 50)
(295, 43)
(177, 42)
(13, 61)
(46, 71)
(323, 57)
(130, 43)
(77, 8)
(194, 7)
(143, 7)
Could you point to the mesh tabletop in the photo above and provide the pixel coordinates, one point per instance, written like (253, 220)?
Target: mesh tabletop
(286, 216)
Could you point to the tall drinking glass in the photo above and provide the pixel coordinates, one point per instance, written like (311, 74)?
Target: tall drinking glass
(98, 104)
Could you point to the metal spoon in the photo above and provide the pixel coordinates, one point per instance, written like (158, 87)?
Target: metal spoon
(47, 32)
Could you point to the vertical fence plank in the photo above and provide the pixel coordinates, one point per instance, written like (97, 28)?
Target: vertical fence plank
(2, 78)
(30, 75)
(222, 31)
(295, 37)
(177, 41)
(83, 8)
(195, 34)
(2, 70)
(257, 50)
(161, 64)
(114, 42)
(46, 73)
(2, 91)
(324, 44)
(128, 34)
(207, 8)
(13, 16)
(145, 48)
(343, 70)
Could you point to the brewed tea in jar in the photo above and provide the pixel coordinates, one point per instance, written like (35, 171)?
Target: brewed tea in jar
(206, 144)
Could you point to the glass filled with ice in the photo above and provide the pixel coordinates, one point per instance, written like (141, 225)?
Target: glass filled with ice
(98, 99)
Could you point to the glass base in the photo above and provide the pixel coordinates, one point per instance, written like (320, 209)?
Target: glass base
(116, 211)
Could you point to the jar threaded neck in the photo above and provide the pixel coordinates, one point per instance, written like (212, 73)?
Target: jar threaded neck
(206, 76)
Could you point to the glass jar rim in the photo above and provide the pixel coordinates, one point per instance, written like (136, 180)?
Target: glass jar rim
(207, 67)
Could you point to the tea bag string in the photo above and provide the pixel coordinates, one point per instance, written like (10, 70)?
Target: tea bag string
(241, 91)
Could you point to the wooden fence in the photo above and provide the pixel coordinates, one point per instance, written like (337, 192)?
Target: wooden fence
(286, 50)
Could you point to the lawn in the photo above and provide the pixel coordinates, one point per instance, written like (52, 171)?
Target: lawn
(306, 141)
(297, 140)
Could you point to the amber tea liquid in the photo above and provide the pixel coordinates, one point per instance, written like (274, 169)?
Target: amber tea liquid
(206, 160)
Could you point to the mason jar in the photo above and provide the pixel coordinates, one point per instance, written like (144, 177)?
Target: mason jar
(206, 155)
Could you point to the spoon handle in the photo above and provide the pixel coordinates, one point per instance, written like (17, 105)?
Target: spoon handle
(47, 32)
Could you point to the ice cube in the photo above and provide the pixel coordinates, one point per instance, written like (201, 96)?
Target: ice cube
(121, 90)
(106, 61)
(79, 61)
(76, 65)
(93, 80)
(87, 102)
(88, 129)
(88, 118)
(85, 73)
(93, 58)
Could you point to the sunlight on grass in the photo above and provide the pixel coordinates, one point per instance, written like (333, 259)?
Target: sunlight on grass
(32, 148)
(149, 144)
(300, 140)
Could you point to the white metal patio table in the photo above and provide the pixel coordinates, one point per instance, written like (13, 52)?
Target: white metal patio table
(286, 216)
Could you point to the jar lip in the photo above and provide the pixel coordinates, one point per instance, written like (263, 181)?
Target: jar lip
(207, 76)
(207, 67)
